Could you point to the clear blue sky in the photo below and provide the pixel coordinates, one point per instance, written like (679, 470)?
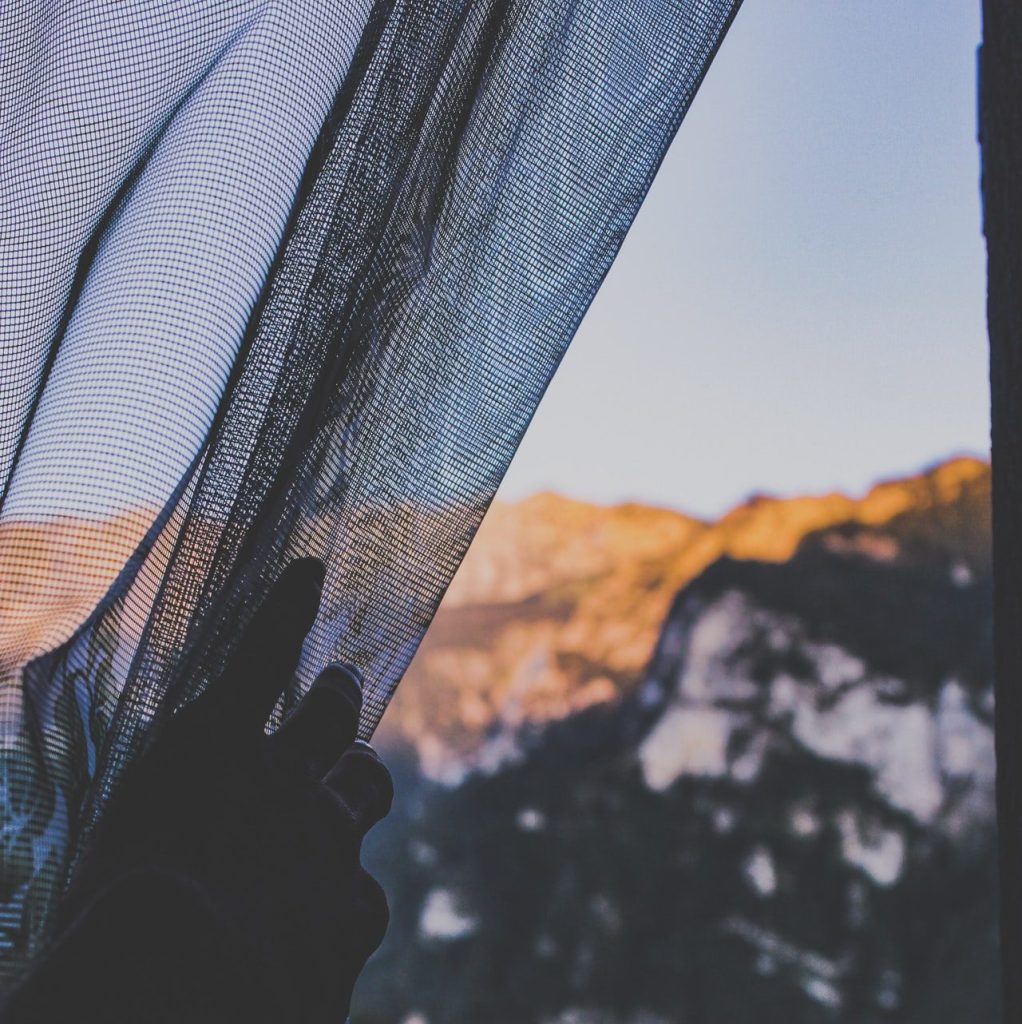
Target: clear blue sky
(800, 304)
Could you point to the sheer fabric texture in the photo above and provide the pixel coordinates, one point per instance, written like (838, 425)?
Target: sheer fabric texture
(278, 279)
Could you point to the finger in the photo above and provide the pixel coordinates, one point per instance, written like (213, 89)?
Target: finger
(325, 722)
(268, 652)
(363, 784)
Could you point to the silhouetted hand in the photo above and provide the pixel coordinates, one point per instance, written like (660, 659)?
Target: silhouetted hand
(262, 832)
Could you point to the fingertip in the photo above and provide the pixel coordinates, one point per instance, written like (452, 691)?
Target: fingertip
(346, 680)
(316, 569)
(309, 571)
(364, 782)
(297, 593)
(325, 721)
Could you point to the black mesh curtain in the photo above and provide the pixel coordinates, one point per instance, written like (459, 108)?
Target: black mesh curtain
(279, 280)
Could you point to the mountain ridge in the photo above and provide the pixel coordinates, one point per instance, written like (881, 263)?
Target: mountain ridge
(785, 817)
(559, 603)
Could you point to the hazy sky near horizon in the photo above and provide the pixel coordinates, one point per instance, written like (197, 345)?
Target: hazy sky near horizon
(800, 303)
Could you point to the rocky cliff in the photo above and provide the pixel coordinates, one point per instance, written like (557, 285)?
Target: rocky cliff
(751, 783)
(559, 604)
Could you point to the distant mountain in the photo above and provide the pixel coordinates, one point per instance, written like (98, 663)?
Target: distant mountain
(658, 770)
(558, 604)
(778, 811)
(55, 570)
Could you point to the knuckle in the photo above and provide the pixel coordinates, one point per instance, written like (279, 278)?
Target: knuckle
(340, 818)
(365, 783)
(374, 775)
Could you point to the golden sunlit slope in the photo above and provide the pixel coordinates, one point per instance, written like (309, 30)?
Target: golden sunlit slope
(52, 574)
(559, 603)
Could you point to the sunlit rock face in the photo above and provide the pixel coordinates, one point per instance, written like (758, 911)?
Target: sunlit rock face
(784, 816)
(560, 604)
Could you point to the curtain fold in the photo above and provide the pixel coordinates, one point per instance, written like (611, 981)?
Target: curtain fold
(292, 284)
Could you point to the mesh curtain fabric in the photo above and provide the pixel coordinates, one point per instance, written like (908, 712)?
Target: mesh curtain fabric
(278, 279)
